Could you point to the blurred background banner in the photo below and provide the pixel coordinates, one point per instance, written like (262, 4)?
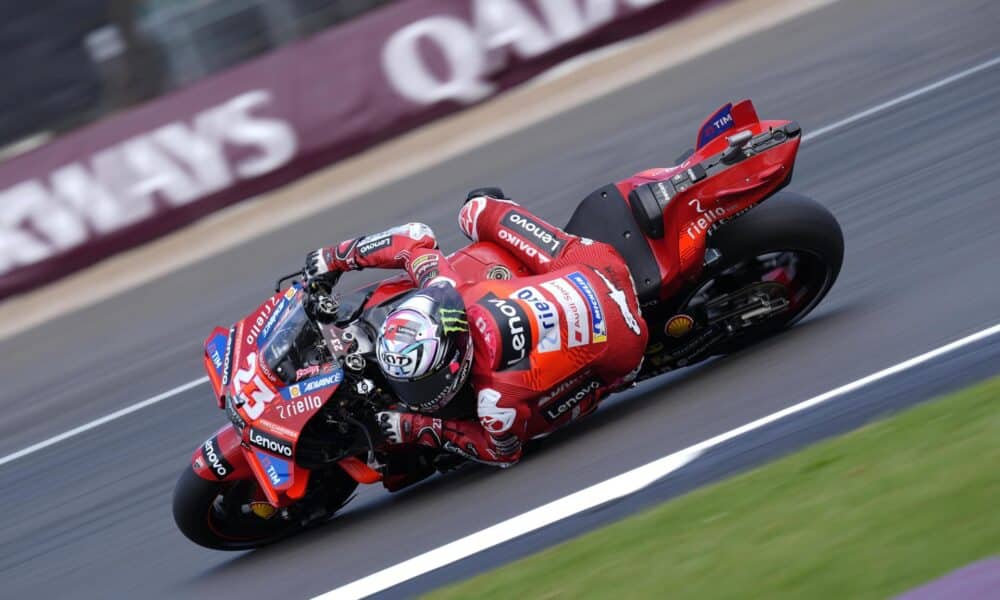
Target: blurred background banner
(126, 119)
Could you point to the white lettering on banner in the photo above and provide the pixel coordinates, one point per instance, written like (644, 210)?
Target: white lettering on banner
(502, 23)
(567, 22)
(119, 185)
(412, 78)
(201, 150)
(24, 205)
(157, 173)
(89, 196)
(274, 139)
(474, 51)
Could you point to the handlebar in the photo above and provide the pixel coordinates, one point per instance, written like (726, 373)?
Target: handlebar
(301, 274)
(319, 301)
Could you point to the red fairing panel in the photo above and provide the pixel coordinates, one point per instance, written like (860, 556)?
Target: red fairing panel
(693, 213)
(221, 457)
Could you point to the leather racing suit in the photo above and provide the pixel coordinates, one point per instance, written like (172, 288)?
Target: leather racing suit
(547, 347)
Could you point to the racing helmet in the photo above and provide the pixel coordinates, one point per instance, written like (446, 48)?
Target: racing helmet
(424, 348)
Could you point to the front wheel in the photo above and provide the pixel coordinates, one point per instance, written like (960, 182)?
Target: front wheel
(211, 514)
(779, 261)
(231, 515)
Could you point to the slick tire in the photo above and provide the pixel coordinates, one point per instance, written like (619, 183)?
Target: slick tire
(784, 222)
(197, 515)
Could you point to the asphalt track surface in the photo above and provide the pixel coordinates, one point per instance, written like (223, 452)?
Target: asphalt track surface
(913, 188)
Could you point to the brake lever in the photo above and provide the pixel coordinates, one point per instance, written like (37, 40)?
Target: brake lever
(300, 274)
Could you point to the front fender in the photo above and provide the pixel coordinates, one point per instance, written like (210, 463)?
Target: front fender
(221, 457)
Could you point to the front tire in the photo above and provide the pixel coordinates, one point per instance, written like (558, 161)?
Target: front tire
(208, 513)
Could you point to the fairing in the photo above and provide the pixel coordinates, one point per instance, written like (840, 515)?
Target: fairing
(266, 413)
(220, 457)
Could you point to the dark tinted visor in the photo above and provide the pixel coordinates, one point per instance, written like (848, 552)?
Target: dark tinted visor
(428, 393)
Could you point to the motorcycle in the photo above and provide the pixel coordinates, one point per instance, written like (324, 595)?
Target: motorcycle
(716, 268)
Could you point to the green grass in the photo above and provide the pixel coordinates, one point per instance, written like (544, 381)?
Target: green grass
(867, 515)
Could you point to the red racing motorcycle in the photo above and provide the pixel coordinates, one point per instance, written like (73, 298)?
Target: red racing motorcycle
(715, 267)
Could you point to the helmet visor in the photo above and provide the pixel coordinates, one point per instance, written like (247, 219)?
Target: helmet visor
(436, 389)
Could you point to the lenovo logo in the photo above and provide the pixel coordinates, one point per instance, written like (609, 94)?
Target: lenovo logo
(271, 444)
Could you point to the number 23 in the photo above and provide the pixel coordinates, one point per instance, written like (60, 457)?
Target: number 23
(257, 400)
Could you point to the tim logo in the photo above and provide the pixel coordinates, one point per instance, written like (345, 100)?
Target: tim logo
(719, 122)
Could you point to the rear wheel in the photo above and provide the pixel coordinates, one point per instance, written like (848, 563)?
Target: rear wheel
(220, 514)
(776, 263)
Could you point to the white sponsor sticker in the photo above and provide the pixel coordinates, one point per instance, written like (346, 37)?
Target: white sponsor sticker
(546, 318)
(574, 308)
(599, 325)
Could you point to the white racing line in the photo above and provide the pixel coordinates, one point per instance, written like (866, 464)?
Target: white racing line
(902, 99)
(807, 137)
(105, 419)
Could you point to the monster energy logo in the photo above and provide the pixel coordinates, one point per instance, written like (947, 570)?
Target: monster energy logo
(453, 320)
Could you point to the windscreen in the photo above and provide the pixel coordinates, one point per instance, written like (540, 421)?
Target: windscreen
(295, 344)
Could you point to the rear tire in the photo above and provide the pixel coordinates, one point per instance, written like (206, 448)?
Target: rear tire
(786, 222)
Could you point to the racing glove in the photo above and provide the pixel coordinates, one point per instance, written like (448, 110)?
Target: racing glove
(399, 427)
(466, 439)
(317, 268)
(407, 428)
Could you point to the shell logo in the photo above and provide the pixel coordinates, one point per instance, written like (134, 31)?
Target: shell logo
(264, 510)
(679, 326)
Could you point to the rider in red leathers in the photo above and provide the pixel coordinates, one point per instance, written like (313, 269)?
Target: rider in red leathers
(536, 350)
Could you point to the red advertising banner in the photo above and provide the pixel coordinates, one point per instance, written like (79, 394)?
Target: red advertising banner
(141, 173)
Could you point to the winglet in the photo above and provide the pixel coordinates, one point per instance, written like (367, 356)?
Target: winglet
(729, 116)
(720, 122)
